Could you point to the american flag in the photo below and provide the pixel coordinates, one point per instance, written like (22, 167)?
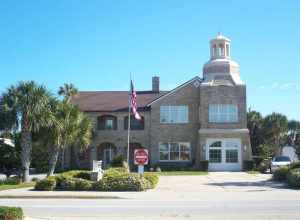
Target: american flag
(134, 103)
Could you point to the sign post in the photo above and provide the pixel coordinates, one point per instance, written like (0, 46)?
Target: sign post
(141, 158)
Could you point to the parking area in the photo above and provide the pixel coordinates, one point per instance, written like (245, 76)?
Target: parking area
(219, 186)
(220, 181)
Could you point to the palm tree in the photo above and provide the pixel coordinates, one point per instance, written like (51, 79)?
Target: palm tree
(254, 125)
(275, 128)
(68, 91)
(27, 108)
(70, 127)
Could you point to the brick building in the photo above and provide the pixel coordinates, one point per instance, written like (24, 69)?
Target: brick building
(202, 119)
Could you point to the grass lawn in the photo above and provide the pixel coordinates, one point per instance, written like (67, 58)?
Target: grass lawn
(22, 185)
(181, 173)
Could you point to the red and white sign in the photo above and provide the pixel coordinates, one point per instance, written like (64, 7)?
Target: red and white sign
(141, 157)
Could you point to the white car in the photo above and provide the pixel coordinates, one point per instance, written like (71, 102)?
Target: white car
(279, 161)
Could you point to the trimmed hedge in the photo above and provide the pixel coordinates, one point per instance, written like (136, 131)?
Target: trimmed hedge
(115, 171)
(295, 165)
(124, 182)
(152, 178)
(47, 184)
(293, 178)
(82, 174)
(11, 213)
(281, 173)
(114, 179)
(248, 165)
(204, 165)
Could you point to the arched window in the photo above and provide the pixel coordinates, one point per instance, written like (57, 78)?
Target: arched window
(134, 123)
(107, 122)
(106, 152)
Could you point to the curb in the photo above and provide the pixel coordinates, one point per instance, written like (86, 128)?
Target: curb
(58, 197)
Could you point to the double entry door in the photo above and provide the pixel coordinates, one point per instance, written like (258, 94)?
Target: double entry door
(224, 154)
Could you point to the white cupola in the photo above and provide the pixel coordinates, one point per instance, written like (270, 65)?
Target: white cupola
(220, 47)
(221, 69)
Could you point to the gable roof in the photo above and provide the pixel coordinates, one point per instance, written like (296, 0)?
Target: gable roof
(110, 101)
(197, 78)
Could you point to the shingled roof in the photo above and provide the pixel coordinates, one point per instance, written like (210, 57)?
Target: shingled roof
(109, 101)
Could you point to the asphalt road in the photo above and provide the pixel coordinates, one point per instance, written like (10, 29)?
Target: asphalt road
(227, 207)
(215, 196)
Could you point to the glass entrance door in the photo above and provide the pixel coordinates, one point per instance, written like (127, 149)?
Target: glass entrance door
(224, 154)
(108, 155)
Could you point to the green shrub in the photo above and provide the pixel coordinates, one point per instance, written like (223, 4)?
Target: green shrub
(126, 182)
(115, 171)
(257, 160)
(248, 165)
(83, 185)
(293, 178)
(15, 180)
(65, 183)
(100, 186)
(262, 167)
(295, 165)
(11, 213)
(204, 165)
(35, 179)
(152, 178)
(73, 184)
(47, 184)
(118, 179)
(281, 173)
(117, 161)
(83, 174)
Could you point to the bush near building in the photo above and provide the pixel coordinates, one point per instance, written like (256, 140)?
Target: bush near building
(248, 165)
(291, 174)
(152, 178)
(281, 173)
(114, 179)
(293, 178)
(11, 213)
(295, 165)
(204, 165)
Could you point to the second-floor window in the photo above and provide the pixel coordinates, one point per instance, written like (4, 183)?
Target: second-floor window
(174, 114)
(134, 123)
(220, 113)
(107, 122)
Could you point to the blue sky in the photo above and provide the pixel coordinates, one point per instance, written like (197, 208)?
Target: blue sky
(96, 44)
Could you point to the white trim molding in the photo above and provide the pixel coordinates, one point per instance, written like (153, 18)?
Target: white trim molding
(197, 78)
(224, 131)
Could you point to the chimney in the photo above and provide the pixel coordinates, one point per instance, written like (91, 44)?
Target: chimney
(155, 84)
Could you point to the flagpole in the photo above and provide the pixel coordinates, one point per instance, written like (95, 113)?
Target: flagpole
(128, 128)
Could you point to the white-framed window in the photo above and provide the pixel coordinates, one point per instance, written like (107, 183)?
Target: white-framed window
(174, 114)
(109, 124)
(219, 113)
(174, 151)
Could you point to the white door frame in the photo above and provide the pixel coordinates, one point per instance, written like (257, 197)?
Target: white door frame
(225, 166)
(110, 150)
